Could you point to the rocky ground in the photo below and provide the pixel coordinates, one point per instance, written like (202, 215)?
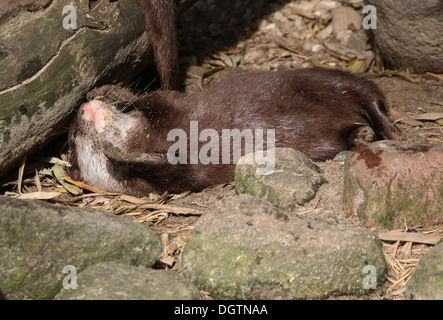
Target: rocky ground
(274, 35)
(269, 35)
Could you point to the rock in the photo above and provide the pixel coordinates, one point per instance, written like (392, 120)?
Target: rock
(47, 69)
(294, 178)
(426, 282)
(390, 183)
(409, 35)
(245, 248)
(115, 281)
(322, 9)
(39, 239)
(325, 33)
(341, 156)
(345, 18)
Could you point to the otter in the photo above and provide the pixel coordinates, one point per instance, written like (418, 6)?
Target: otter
(319, 112)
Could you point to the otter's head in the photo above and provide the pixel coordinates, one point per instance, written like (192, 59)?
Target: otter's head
(95, 125)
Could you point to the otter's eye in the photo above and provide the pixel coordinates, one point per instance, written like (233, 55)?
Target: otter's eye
(74, 134)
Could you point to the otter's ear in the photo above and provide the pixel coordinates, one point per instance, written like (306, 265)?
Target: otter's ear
(136, 161)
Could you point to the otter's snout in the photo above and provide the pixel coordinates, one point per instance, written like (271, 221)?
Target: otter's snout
(97, 113)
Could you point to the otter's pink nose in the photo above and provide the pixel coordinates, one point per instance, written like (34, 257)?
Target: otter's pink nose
(94, 112)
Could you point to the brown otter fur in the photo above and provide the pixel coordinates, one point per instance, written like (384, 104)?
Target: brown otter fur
(160, 17)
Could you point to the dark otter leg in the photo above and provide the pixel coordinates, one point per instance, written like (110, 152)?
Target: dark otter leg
(382, 125)
(160, 16)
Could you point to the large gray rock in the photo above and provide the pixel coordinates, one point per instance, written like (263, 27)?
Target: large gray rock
(39, 239)
(245, 248)
(116, 281)
(293, 180)
(427, 280)
(409, 34)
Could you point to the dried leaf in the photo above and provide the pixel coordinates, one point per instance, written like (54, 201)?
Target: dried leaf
(227, 59)
(171, 209)
(355, 65)
(400, 235)
(342, 52)
(198, 72)
(181, 195)
(83, 185)
(39, 195)
(437, 139)
(429, 116)
(54, 160)
(303, 13)
(400, 116)
(37, 181)
(20, 174)
(60, 175)
(155, 216)
(133, 199)
(168, 260)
